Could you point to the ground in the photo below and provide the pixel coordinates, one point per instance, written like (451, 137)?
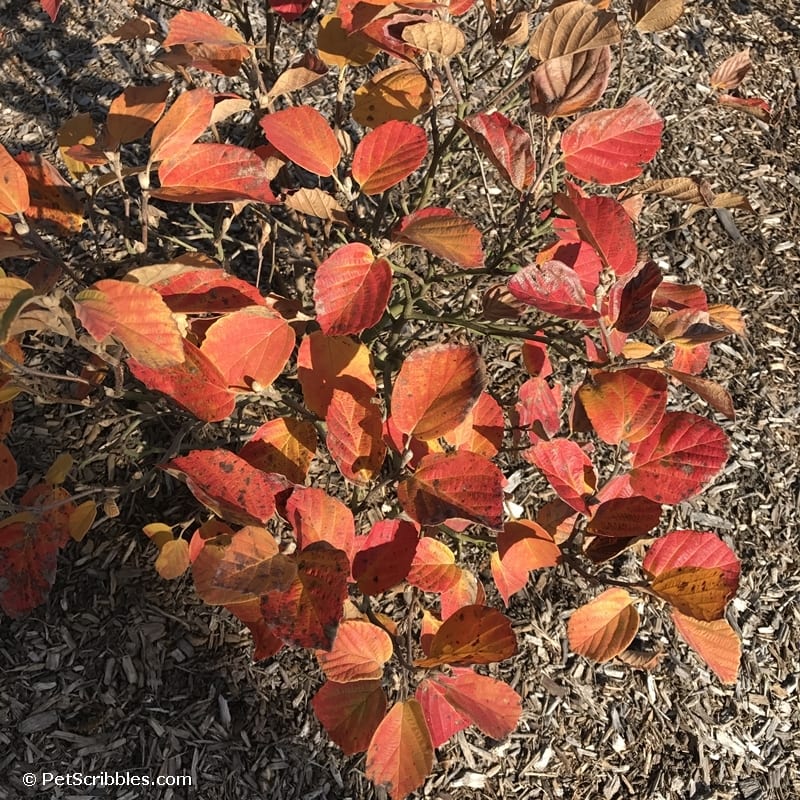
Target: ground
(123, 671)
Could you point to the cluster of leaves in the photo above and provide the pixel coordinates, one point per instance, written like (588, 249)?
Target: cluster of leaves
(420, 432)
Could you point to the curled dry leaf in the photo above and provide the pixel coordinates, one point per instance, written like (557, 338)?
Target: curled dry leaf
(754, 106)
(315, 202)
(655, 15)
(568, 84)
(572, 28)
(732, 71)
(305, 72)
(439, 37)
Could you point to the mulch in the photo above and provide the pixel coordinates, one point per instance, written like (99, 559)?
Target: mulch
(123, 671)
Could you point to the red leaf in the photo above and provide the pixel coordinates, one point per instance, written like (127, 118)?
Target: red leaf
(308, 614)
(182, 125)
(754, 106)
(197, 290)
(14, 197)
(388, 154)
(326, 363)
(250, 346)
(625, 405)
(350, 712)
(303, 135)
(196, 384)
(8, 469)
(315, 516)
(400, 755)
(385, 555)
(505, 144)
(355, 437)
(443, 233)
(473, 635)
(632, 297)
(622, 517)
(715, 642)
(442, 718)
(447, 485)
(539, 409)
(284, 445)
(554, 288)
(482, 430)
(137, 316)
(611, 146)
(467, 591)
(359, 652)
(536, 358)
(683, 453)
(522, 546)
(227, 484)
(436, 388)
(291, 10)
(434, 567)
(51, 8)
(351, 290)
(493, 706)
(603, 223)
(693, 549)
(568, 470)
(213, 173)
(605, 626)
(187, 27)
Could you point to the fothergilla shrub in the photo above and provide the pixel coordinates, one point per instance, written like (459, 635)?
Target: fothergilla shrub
(474, 319)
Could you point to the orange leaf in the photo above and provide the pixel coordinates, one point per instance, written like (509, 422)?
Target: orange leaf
(359, 652)
(134, 112)
(355, 437)
(285, 445)
(605, 626)
(400, 92)
(14, 197)
(625, 405)
(182, 125)
(325, 363)
(315, 516)
(8, 468)
(567, 469)
(436, 388)
(303, 135)
(350, 712)
(400, 755)
(462, 484)
(338, 47)
(475, 634)
(683, 452)
(715, 642)
(137, 316)
(522, 546)
(443, 233)
(173, 559)
(610, 146)
(388, 154)
(213, 173)
(351, 290)
(196, 384)
(250, 346)
(482, 430)
(434, 567)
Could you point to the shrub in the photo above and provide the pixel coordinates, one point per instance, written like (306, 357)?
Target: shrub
(483, 327)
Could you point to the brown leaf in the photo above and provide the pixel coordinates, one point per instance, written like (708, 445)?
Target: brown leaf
(572, 28)
(655, 15)
(441, 38)
(732, 71)
(571, 83)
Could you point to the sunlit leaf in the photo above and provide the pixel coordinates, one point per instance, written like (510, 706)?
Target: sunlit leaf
(611, 146)
(434, 567)
(473, 635)
(14, 197)
(359, 652)
(315, 516)
(572, 28)
(572, 83)
(400, 755)
(568, 470)
(655, 15)
(678, 458)
(303, 135)
(137, 316)
(554, 288)
(482, 429)
(388, 154)
(715, 642)
(436, 388)
(182, 125)
(605, 626)
(439, 37)
(461, 484)
(443, 233)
